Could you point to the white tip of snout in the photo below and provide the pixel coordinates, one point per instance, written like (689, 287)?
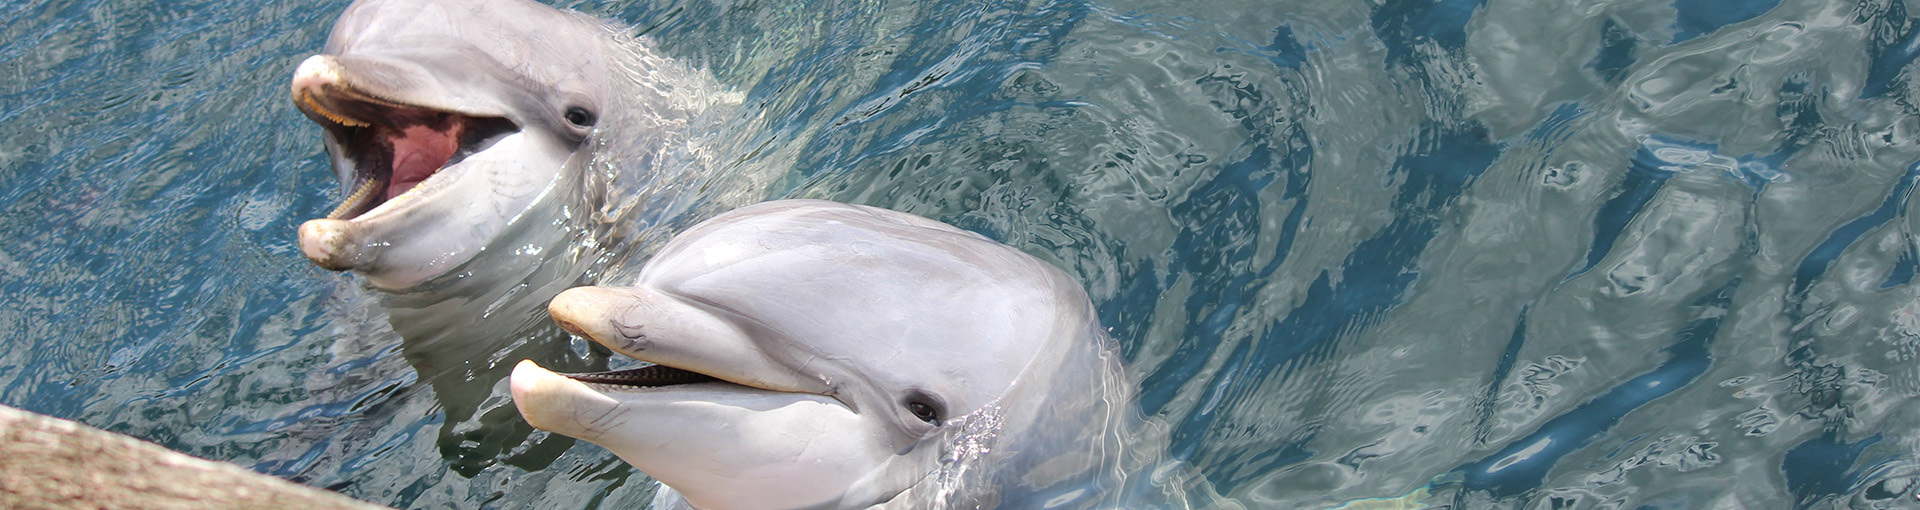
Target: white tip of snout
(525, 384)
(577, 307)
(315, 71)
(525, 380)
(551, 401)
(328, 243)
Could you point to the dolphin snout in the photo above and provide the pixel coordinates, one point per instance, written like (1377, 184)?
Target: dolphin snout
(656, 327)
(524, 381)
(570, 327)
(554, 403)
(577, 307)
(331, 244)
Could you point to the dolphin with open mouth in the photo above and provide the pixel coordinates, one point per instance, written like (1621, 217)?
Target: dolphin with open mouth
(811, 354)
(492, 153)
(446, 120)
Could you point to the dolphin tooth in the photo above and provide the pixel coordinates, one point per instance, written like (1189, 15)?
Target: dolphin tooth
(356, 199)
(315, 107)
(644, 377)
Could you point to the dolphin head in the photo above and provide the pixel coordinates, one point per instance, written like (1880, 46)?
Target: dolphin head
(444, 121)
(809, 353)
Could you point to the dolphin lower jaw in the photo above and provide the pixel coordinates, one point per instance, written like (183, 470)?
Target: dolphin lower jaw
(331, 244)
(708, 440)
(434, 228)
(543, 395)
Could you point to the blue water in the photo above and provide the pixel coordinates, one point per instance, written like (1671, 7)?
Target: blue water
(1408, 253)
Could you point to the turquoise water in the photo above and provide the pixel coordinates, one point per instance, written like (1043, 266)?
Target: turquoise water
(1452, 254)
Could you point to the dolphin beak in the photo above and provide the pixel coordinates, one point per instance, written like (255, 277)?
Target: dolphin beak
(579, 306)
(526, 378)
(526, 383)
(330, 244)
(315, 75)
(544, 397)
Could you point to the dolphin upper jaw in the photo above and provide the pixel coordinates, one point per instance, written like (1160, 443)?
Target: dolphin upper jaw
(657, 327)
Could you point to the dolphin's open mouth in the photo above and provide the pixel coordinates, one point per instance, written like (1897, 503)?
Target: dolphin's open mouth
(392, 146)
(650, 376)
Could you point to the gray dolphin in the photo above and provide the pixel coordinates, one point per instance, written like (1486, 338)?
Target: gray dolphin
(811, 354)
(493, 153)
(446, 120)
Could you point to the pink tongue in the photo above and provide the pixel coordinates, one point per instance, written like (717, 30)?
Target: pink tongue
(418, 152)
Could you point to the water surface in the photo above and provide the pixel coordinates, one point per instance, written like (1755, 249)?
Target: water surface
(1412, 253)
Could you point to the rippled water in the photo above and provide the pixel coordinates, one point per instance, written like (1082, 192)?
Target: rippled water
(1403, 253)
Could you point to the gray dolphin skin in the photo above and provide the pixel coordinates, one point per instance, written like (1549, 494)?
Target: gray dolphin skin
(446, 120)
(811, 354)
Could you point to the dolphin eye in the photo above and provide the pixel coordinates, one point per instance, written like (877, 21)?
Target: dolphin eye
(924, 407)
(924, 412)
(580, 116)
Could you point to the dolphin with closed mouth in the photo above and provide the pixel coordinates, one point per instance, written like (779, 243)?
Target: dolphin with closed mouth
(811, 354)
(446, 120)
